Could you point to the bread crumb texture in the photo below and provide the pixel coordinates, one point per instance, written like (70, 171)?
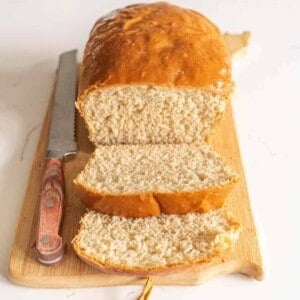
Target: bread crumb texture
(150, 114)
(155, 242)
(129, 169)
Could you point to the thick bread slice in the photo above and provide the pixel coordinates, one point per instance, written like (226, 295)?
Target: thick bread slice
(153, 73)
(152, 245)
(146, 180)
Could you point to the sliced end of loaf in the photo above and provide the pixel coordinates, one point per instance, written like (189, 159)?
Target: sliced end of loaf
(154, 244)
(145, 114)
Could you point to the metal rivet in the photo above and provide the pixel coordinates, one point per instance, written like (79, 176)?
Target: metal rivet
(49, 203)
(45, 239)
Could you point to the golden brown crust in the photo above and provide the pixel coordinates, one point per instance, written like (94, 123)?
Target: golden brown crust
(136, 205)
(158, 44)
(154, 203)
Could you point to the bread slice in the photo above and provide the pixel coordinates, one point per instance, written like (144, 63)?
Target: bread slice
(153, 245)
(146, 180)
(153, 73)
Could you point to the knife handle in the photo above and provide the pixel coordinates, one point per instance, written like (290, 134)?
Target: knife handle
(49, 243)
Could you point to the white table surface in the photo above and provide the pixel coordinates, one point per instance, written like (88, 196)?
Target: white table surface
(267, 113)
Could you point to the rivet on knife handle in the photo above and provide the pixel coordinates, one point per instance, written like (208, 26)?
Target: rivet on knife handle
(50, 246)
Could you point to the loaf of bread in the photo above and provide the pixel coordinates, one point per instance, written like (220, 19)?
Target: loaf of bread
(146, 180)
(155, 81)
(153, 73)
(145, 246)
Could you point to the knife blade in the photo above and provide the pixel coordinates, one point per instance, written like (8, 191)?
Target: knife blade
(49, 243)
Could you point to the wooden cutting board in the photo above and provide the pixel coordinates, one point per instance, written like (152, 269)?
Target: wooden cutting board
(24, 269)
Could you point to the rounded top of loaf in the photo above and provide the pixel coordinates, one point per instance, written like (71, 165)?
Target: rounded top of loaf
(157, 44)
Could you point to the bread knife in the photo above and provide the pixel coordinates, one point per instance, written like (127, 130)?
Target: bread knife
(61, 144)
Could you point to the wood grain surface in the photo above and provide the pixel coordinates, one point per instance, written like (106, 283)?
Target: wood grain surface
(24, 268)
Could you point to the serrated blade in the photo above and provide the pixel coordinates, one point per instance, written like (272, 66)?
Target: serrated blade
(61, 138)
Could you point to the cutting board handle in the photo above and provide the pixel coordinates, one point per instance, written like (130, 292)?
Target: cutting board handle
(49, 244)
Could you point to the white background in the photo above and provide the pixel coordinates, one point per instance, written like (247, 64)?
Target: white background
(267, 112)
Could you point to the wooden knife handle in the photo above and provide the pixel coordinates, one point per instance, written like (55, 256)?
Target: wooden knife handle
(49, 243)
